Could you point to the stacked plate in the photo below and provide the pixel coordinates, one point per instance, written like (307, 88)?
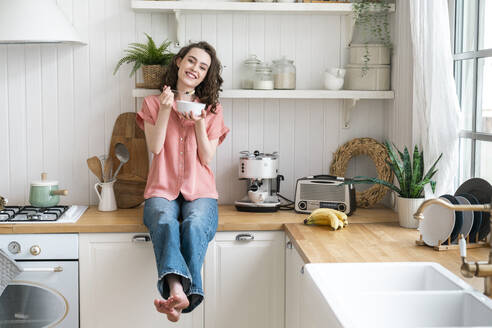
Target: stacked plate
(441, 224)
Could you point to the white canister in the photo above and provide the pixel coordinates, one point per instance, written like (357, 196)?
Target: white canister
(378, 54)
(377, 77)
(107, 200)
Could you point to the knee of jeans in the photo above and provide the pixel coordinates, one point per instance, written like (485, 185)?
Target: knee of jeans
(156, 218)
(193, 227)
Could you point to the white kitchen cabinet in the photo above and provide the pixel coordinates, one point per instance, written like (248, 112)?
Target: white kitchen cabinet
(293, 266)
(244, 280)
(118, 283)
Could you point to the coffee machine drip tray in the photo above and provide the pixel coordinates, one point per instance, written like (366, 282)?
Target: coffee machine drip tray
(245, 205)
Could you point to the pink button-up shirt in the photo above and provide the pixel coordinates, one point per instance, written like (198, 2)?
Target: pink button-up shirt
(177, 167)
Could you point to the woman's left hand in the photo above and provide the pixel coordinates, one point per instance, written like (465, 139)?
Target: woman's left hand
(191, 116)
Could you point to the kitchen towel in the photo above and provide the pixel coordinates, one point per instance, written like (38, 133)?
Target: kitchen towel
(8, 270)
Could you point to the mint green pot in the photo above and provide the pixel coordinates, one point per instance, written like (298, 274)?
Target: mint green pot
(42, 196)
(45, 193)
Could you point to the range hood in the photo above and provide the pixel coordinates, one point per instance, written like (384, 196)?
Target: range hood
(35, 21)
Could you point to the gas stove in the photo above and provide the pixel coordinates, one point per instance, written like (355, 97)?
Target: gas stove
(32, 214)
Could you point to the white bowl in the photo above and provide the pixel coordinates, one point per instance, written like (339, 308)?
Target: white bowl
(185, 107)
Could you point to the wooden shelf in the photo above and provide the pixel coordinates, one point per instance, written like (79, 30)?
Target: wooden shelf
(288, 94)
(349, 97)
(181, 8)
(214, 6)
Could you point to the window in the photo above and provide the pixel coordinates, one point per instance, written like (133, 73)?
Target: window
(473, 76)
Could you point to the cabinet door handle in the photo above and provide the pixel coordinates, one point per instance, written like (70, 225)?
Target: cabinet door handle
(141, 239)
(245, 236)
(289, 245)
(55, 269)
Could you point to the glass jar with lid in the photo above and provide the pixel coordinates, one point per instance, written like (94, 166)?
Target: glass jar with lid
(263, 78)
(248, 71)
(284, 74)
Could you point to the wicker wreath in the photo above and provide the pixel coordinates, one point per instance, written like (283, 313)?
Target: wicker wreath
(377, 152)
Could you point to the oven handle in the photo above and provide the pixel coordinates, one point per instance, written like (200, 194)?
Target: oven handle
(55, 269)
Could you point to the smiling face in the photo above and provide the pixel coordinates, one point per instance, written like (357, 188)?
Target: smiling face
(192, 69)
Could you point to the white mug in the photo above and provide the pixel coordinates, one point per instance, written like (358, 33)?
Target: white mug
(107, 201)
(257, 196)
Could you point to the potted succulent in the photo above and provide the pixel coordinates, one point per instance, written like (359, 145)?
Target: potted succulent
(371, 19)
(411, 181)
(151, 58)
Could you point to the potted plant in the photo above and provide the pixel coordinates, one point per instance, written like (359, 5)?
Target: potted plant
(411, 181)
(151, 58)
(372, 21)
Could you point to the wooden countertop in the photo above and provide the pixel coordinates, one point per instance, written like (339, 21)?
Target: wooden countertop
(130, 220)
(373, 235)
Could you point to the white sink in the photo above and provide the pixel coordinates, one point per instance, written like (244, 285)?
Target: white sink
(396, 276)
(407, 294)
(422, 309)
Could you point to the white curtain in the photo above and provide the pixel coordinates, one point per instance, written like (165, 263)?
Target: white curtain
(435, 103)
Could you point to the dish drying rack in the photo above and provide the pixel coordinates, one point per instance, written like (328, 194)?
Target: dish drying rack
(444, 247)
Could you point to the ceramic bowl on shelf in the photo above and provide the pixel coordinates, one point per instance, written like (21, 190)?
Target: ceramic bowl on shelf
(185, 107)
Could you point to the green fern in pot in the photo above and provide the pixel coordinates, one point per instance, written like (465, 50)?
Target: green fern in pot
(151, 58)
(411, 181)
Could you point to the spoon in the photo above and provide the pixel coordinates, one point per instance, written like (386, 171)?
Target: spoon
(95, 166)
(122, 155)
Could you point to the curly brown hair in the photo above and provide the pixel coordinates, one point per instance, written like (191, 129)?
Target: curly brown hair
(208, 90)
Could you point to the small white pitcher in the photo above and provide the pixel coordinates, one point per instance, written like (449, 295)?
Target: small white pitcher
(334, 78)
(107, 201)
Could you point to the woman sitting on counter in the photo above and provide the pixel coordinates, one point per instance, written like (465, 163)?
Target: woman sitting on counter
(181, 197)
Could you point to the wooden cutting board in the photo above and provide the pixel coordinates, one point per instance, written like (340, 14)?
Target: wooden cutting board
(132, 178)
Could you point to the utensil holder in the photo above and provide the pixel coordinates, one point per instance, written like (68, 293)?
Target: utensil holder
(107, 200)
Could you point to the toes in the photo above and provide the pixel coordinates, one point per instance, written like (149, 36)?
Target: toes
(174, 315)
(160, 306)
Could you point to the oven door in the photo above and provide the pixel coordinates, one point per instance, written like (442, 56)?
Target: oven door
(44, 295)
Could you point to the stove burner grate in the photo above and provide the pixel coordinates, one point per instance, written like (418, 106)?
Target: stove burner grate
(32, 213)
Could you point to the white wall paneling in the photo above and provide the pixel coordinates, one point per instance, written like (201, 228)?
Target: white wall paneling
(4, 124)
(58, 104)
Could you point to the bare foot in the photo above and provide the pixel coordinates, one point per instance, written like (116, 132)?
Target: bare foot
(178, 301)
(162, 306)
(174, 315)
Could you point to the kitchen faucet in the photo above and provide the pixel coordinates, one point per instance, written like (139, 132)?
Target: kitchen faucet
(468, 269)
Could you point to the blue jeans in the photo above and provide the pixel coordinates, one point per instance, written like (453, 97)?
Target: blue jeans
(180, 231)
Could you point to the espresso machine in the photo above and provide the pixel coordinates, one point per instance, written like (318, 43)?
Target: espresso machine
(263, 182)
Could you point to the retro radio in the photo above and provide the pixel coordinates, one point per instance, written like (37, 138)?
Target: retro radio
(324, 191)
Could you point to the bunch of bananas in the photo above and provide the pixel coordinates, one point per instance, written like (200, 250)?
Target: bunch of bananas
(327, 216)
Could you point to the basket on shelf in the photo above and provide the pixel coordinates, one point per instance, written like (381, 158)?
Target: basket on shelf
(8, 270)
(152, 76)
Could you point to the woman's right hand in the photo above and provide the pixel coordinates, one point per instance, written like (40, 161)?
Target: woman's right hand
(166, 98)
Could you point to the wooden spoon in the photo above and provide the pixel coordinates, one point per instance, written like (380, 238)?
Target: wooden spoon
(108, 166)
(95, 166)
